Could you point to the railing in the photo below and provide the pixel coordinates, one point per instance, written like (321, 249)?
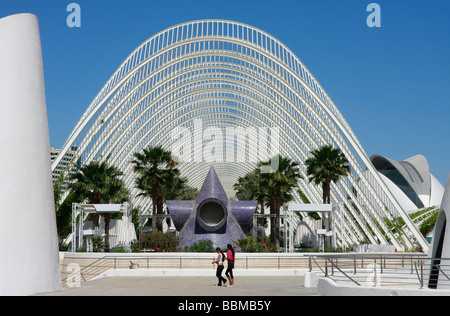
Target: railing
(402, 270)
(91, 266)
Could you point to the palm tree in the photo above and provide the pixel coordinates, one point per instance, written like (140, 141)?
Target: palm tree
(279, 184)
(326, 165)
(245, 187)
(252, 187)
(97, 182)
(178, 189)
(154, 166)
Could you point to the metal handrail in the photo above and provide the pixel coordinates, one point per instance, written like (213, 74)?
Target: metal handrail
(438, 266)
(311, 258)
(85, 268)
(334, 265)
(419, 276)
(244, 261)
(382, 270)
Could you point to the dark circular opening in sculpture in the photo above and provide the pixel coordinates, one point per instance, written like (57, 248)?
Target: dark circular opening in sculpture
(211, 215)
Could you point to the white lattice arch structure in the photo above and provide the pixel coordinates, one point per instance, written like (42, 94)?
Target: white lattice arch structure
(215, 75)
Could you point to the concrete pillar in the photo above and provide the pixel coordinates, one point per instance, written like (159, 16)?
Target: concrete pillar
(29, 259)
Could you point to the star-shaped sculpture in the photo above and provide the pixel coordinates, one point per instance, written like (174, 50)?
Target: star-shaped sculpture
(211, 216)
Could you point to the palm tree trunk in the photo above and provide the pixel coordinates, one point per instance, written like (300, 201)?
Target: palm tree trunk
(159, 210)
(107, 220)
(154, 202)
(326, 191)
(260, 221)
(275, 218)
(272, 221)
(277, 213)
(96, 216)
(326, 186)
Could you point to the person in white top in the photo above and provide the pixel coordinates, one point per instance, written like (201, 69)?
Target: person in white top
(220, 267)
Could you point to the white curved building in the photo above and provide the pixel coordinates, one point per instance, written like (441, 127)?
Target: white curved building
(227, 94)
(410, 181)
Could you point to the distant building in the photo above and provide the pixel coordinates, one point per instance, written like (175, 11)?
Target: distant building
(67, 163)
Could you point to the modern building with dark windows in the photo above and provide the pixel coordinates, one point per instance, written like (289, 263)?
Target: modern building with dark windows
(226, 94)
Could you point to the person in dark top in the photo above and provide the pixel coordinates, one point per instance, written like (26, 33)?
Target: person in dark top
(230, 258)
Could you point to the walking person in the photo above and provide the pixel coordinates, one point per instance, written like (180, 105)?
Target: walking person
(219, 261)
(230, 259)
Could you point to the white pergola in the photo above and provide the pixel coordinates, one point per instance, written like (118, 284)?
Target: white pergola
(291, 208)
(80, 211)
(227, 94)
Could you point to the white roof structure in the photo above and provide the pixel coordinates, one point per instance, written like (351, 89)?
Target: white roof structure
(103, 208)
(410, 181)
(309, 207)
(227, 94)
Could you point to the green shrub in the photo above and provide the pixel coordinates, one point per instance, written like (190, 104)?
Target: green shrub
(202, 246)
(135, 246)
(159, 241)
(428, 225)
(118, 248)
(98, 244)
(250, 244)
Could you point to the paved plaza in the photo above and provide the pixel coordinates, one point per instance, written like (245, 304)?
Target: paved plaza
(189, 286)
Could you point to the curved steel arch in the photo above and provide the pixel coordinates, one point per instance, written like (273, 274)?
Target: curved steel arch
(227, 74)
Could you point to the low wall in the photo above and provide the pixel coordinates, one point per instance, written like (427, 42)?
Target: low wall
(374, 248)
(197, 272)
(328, 287)
(92, 265)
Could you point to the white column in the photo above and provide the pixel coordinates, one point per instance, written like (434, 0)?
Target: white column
(29, 258)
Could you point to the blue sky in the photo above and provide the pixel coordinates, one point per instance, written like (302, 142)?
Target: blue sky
(392, 83)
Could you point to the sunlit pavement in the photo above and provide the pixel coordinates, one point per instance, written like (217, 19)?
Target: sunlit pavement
(189, 286)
